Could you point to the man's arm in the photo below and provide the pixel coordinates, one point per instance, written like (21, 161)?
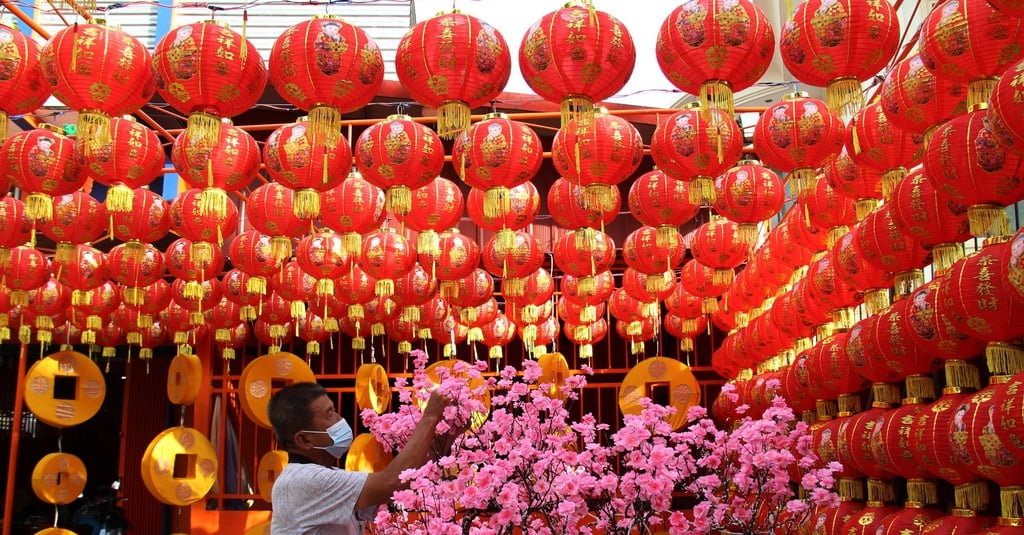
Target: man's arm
(381, 485)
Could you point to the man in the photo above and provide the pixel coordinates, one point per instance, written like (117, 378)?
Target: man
(313, 497)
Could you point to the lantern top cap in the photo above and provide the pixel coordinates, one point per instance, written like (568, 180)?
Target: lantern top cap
(221, 23)
(964, 513)
(748, 161)
(695, 105)
(398, 117)
(327, 16)
(795, 95)
(496, 115)
(978, 106)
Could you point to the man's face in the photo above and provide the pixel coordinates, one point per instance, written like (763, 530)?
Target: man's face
(324, 414)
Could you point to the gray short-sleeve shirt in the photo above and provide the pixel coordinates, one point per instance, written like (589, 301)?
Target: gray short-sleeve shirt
(310, 499)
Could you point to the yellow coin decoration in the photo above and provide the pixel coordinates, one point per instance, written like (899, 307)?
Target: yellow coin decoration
(55, 531)
(263, 528)
(265, 375)
(372, 388)
(180, 466)
(65, 389)
(666, 381)
(59, 478)
(366, 455)
(184, 378)
(554, 370)
(271, 465)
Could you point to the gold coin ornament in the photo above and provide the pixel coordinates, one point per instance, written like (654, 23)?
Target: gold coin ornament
(263, 528)
(184, 379)
(271, 465)
(372, 388)
(554, 369)
(55, 531)
(666, 382)
(367, 455)
(485, 398)
(65, 389)
(180, 466)
(59, 478)
(266, 375)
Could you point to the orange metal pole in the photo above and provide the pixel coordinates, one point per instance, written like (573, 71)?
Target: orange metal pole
(26, 19)
(12, 459)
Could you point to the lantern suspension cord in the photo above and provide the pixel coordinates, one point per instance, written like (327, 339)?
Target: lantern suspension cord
(58, 13)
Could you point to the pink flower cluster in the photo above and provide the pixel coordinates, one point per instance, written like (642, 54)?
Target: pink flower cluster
(529, 467)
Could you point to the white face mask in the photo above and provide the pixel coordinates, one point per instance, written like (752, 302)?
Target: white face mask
(341, 435)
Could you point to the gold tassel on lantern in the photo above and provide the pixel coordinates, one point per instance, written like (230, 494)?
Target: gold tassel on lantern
(119, 199)
(331, 324)
(586, 351)
(944, 255)
(325, 125)
(135, 296)
(877, 300)
(962, 375)
(307, 203)
(39, 207)
(906, 282)
(802, 181)
(891, 179)
(312, 347)
(599, 196)
(193, 290)
(376, 329)
(863, 207)
(247, 313)
(181, 337)
(979, 91)
(636, 348)
(213, 202)
(634, 328)
(93, 132)
(666, 236)
(411, 314)
(468, 315)
(495, 353)
(588, 314)
(497, 202)
(256, 285)
(204, 128)
(577, 108)
(81, 298)
(973, 495)
(514, 287)
(202, 252)
(449, 351)
(280, 248)
(686, 345)
(986, 221)
(384, 288)
(709, 305)
(504, 241)
(3, 126)
(1012, 506)
(1004, 359)
(701, 190)
(405, 348)
(144, 321)
(428, 242)
(359, 343)
(844, 97)
(397, 200)
(475, 334)
(277, 331)
(324, 287)
(747, 234)
(298, 309)
(453, 116)
(922, 491)
(920, 387)
(716, 95)
(356, 312)
(585, 238)
(351, 243)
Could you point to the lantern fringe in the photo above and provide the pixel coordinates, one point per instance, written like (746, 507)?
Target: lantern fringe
(256, 285)
(851, 488)
(213, 202)
(202, 252)
(324, 287)
(666, 236)
(325, 125)
(88, 337)
(1012, 499)
(920, 387)
(922, 491)
(701, 190)
(529, 334)
(877, 300)
(716, 95)
(312, 347)
(495, 353)
(514, 287)
(5, 257)
(497, 202)
(844, 97)
(586, 351)
(134, 295)
(636, 348)
(747, 234)
(39, 207)
(577, 108)
(453, 117)
(449, 351)
(985, 220)
(944, 255)
(356, 312)
(973, 495)
(307, 204)
(298, 309)
(44, 337)
(3, 126)
(228, 354)
(881, 490)
(826, 409)
(891, 179)
(686, 345)
(848, 404)
(277, 331)
(634, 328)
(475, 334)
(359, 343)
(144, 321)
(709, 305)
(351, 243)
(585, 238)
(588, 314)
(504, 241)
(979, 91)
(135, 250)
(193, 290)
(835, 234)
(134, 338)
(181, 337)
(247, 313)
(962, 375)
(1004, 359)
(196, 318)
(907, 281)
(398, 200)
(842, 318)
(586, 286)
(468, 315)
(119, 199)
(281, 248)
(650, 310)
(204, 128)
(599, 196)
(81, 297)
(411, 314)
(93, 132)
(429, 242)
(222, 335)
(449, 289)
(863, 207)
(25, 334)
(660, 282)
(721, 276)
(384, 288)
(887, 393)
(802, 181)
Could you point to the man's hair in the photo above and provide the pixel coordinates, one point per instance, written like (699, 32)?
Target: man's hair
(289, 410)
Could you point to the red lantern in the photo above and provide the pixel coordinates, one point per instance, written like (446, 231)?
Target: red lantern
(498, 333)
(591, 290)
(862, 276)
(77, 218)
(26, 270)
(971, 42)
(891, 443)
(699, 280)
(1013, 266)
(1006, 417)
(456, 257)
(135, 267)
(435, 207)
(295, 286)
(830, 370)
(327, 67)
(933, 445)
(189, 219)
(131, 160)
(826, 209)
(414, 288)
(399, 155)
(807, 235)
(575, 312)
(522, 258)
(193, 261)
(683, 303)
(917, 101)
(921, 213)
(715, 48)
(717, 244)
(1004, 115)
(533, 290)
(985, 454)
(146, 302)
(658, 200)
(252, 253)
(648, 288)
(881, 349)
(479, 315)
(355, 289)
(453, 62)
(45, 302)
(857, 182)
(297, 160)
(874, 141)
(23, 88)
(914, 516)
(497, 154)
(228, 164)
(15, 227)
(352, 208)
(235, 283)
(197, 299)
(748, 194)
(45, 164)
(91, 312)
(882, 245)
(311, 328)
(472, 290)
(962, 521)
(208, 71)
(785, 317)
(597, 154)
(695, 146)
(270, 210)
(636, 333)
(797, 136)
(322, 256)
(578, 56)
(969, 167)
(84, 269)
(685, 329)
(386, 256)
(931, 330)
(100, 71)
(147, 222)
(546, 332)
(570, 209)
(581, 258)
(524, 205)
(642, 251)
(838, 45)
(831, 292)
(586, 335)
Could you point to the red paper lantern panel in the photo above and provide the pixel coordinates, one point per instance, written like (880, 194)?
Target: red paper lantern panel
(933, 331)
(892, 445)
(1006, 417)
(498, 333)
(311, 328)
(696, 145)
(132, 159)
(516, 262)
(829, 291)
(193, 261)
(77, 63)
(974, 298)
(270, 210)
(784, 317)
(962, 521)
(881, 350)
(916, 100)
(699, 280)
(189, 219)
(798, 135)
(717, 244)
(147, 222)
(323, 256)
(534, 289)
(354, 288)
(272, 335)
(748, 194)
(647, 250)
(23, 87)
(227, 165)
(236, 288)
(863, 429)
(985, 454)
(352, 208)
(208, 71)
(135, 266)
(547, 332)
(297, 160)
(481, 314)
(683, 303)
(399, 155)
(472, 290)
(528, 314)
(914, 517)
(77, 218)
(685, 329)
(570, 209)
(586, 334)
(591, 289)
(575, 312)
(656, 199)
(497, 154)
(860, 275)
(15, 226)
(838, 45)
(44, 164)
(386, 256)
(416, 287)
(46, 301)
(880, 243)
(252, 253)
(327, 67)
(648, 288)
(813, 238)
(714, 48)
(147, 301)
(873, 141)
(970, 41)
(457, 256)
(295, 287)
(830, 370)
(826, 209)
(1004, 112)
(597, 154)
(828, 520)
(931, 437)
(449, 331)
(969, 167)
(577, 256)
(523, 207)
(921, 213)
(84, 269)
(577, 56)
(857, 182)
(453, 62)
(1012, 268)
(197, 299)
